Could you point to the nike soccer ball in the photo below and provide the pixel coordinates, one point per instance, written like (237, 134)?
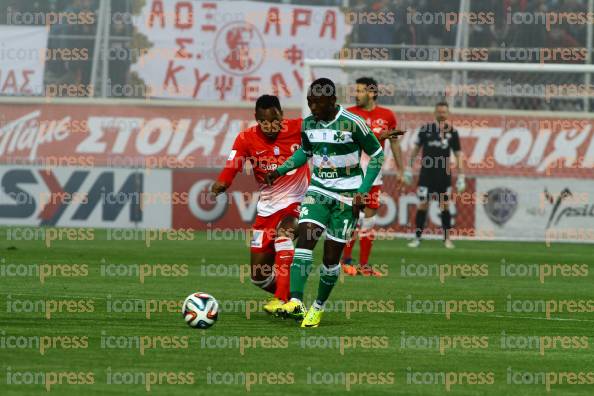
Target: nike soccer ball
(200, 310)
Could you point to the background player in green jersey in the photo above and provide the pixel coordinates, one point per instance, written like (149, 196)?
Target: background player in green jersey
(334, 138)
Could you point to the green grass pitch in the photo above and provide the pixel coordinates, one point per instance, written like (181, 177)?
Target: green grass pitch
(379, 337)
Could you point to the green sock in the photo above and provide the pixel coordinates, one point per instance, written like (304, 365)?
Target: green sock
(300, 270)
(328, 278)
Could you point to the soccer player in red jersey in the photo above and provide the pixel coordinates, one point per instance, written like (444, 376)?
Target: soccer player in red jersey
(265, 146)
(382, 123)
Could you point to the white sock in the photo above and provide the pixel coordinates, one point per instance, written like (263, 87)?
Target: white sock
(318, 306)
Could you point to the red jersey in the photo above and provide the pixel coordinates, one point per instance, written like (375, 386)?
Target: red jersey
(265, 155)
(379, 119)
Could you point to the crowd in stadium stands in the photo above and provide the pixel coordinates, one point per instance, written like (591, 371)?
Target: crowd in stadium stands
(408, 28)
(494, 35)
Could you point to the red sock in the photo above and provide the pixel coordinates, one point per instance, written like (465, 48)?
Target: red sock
(282, 265)
(347, 252)
(365, 244)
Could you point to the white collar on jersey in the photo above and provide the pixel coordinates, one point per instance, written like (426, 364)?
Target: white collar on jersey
(340, 109)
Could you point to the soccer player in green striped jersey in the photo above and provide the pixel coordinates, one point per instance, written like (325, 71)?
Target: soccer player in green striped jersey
(333, 138)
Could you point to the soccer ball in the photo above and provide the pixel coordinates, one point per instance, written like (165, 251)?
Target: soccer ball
(200, 310)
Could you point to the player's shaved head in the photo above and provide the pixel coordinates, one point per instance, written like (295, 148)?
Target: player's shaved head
(322, 87)
(269, 115)
(268, 101)
(321, 99)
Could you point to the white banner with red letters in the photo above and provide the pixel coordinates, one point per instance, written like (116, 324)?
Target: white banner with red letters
(22, 59)
(234, 50)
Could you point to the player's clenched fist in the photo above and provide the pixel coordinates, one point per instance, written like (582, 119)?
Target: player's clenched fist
(358, 204)
(270, 177)
(218, 188)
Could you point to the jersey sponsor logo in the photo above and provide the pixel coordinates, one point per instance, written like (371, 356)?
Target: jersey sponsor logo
(444, 144)
(269, 167)
(500, 205)
(328, 174)
(257, 238)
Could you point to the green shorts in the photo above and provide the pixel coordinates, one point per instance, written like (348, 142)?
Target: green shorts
(334, 216)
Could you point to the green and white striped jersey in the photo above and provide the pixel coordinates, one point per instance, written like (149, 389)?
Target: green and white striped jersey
(335, 148)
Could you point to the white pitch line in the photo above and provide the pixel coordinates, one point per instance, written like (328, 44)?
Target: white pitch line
(330, 311)
(494, 316)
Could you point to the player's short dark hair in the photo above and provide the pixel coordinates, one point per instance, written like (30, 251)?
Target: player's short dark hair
(268, 101)
(322, 87)
(371, 85)
(442, 103)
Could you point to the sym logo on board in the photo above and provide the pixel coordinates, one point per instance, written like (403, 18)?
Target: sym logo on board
(39, 196)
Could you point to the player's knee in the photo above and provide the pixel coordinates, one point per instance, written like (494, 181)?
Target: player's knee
(309, 234)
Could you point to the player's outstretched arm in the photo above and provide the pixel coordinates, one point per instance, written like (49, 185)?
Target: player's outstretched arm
(397, 153)
(233, 166)
(371, 146)
(299, 158)
(392, 134)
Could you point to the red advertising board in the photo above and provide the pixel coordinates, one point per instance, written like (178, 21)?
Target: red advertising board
(201, 137)
(237, 208)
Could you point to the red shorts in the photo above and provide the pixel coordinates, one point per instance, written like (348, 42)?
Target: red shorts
(373, 202)
(264, 229)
